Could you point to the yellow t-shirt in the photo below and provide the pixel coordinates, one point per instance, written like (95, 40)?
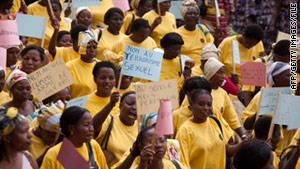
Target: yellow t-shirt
(107, 41)
(95, 103)
(202, 145)
(4, 97)
(294, 143)
(16, 6)
(67, 53)
(64, 25)
(50, 159)
(167, 25)
(119, 47)
(127, 21)
(83, 76)
(194, 41)
(196, 71)
(119, 132)
(39, 10)
(37, 147)
(99, 12)
(170, 69)
(298, 77)
(245, 55)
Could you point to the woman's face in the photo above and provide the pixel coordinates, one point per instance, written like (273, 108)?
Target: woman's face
(2, 80)
(202, 107)
(65, 41)
(85, 18)
(141, 34)
(218, 78)
(269, 164)
(31, 61)
(47, 136)
(20, 138)
(165, 6)
(191, 17)
(21, 90)
(146, 7)
(172, 51)
(126, 81)
(115, 22)
(91, 50)
(128, 112)
(56, 10)
(283, 79)
(63, 95)
(83, 129)
(12, 56)
(105, 80)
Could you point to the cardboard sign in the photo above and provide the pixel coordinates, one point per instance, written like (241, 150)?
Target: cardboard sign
(9, 35)
(50, 79)
(80, 3)
(80, 101)
(282, 112)
(218, 14)
(173, 149)
(164, 124)
(28, 28)
(70, 158)
(253, 73)
(141, 63)
(268, 98)
(183, 58)
(284, 36)
(3, 58)
(176, 8)
(235, 52)
(294, 115)
(148, 95)
(122, 4)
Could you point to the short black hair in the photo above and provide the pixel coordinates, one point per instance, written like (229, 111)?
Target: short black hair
(125, 95)
(76, 29)
(70, 116)
(254, 154)
(196, 82)
(171, 38)
(282, 48)
(140, 23)
(142, 133)
(254, 31)
(111, 12)
(61, 34)
(198, 92)
(34, 47)
(103, 64)
(262, 126)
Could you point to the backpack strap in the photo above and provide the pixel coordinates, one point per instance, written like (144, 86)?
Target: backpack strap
(91, 156)
(284, 150)
(107, 134)
(128, 31)
(176, 164)
(205, 32)
(218, 122)
(100, 34)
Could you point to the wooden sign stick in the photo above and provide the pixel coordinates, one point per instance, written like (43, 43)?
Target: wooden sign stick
(158, 9)
(69, 3)
(43, 40)
(119, 82)
(272, 122)
(51, 9)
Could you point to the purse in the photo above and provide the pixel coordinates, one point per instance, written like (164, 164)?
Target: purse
(108, 155)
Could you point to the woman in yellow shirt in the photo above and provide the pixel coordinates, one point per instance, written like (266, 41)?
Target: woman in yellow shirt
(76, 125)
(99, 12)
(84, 16)
(124, 127)
(33, 57)
(4, 97)
(110, 35)
(162, 22)
(140, 8)
(195, 36)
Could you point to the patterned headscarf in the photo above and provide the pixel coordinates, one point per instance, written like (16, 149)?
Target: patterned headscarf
(187, 5)
(210, 50)
(48, 116)
(16, 76)
(275, 69)
(9, 119)
(149, 120)
(86, 38)
(211, 67)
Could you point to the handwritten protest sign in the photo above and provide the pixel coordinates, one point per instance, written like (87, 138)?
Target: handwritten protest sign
(164, 124)
(70, 158)
(80, 101)
(148, 95)
(3, 58)
(50, 79)
(176, 8)
(122, 4)
(235, 52)
(141, 63)
(294, 114)
(268, 98)
(9, 33)
(79, 3)
(28, 28)
(253, 73)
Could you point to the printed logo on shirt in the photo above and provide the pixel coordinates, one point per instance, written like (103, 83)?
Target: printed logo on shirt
(202, 40)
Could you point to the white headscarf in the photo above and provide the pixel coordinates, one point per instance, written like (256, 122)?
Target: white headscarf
(275, 69)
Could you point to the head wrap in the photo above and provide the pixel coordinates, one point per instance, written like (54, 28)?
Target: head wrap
(187, 5)
(116, 59)
(86, 38)
(48, 116)
(210, 50)
(81, 9)
(15, 76)
(9, 119)
(149, 120)
(135, 4)
(211, 67)
(275, 69)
